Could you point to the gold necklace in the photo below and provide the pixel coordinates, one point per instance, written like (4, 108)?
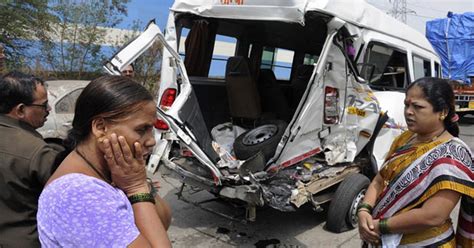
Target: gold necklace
(93, 167)
(427, 141)
(416, 149)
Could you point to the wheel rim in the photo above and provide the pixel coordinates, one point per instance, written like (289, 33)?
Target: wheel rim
(259, 134)
(353, 219)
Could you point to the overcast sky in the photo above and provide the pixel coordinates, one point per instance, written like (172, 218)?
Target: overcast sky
(425, 10)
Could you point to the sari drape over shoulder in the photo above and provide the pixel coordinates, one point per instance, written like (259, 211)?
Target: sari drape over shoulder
(414, 173)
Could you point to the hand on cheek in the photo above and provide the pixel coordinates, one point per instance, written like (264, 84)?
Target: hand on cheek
(127, 169)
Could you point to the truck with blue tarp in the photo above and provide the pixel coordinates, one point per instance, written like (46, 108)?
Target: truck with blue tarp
(453, 39)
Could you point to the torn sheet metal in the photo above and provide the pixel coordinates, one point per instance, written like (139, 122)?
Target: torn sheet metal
(303, 192)
(359, 117)
(277, 191)
(283, 10)
(277, 194)
(300, 195)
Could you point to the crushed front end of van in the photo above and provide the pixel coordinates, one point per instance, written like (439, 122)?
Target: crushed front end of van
(268, 106)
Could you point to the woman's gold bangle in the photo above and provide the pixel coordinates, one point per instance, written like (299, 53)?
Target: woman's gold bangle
(383, 226)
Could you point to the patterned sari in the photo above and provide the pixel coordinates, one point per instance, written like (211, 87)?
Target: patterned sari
(412, 174)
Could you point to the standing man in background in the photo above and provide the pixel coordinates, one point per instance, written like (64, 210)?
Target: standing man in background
(26, 161)
(129, 71)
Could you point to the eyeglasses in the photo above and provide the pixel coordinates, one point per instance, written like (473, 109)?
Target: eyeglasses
(45, 105)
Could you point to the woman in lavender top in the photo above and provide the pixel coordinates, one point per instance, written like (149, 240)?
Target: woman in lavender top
(99, 197)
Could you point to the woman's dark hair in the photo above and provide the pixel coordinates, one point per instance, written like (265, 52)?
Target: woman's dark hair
(108, 97)
(440, 94)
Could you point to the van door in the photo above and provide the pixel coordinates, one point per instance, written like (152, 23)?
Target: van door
(179, 110)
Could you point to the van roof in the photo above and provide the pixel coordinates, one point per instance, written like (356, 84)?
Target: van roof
(356, 12)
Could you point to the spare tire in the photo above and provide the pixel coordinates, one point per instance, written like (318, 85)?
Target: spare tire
(263, 138)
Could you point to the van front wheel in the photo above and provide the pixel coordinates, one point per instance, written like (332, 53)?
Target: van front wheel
(342, 214)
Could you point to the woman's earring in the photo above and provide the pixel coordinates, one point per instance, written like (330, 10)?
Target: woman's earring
(442, 117)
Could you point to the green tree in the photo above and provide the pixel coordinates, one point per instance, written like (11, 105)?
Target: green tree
(74, 44)
(21, 23)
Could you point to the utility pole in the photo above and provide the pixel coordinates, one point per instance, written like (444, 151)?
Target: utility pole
(399, 10)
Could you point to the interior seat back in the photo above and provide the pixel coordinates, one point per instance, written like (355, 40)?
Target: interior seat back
(273, 99)
(300, 82)
(244, 99)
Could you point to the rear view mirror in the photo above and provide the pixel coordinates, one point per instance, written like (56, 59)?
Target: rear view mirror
(366, 71)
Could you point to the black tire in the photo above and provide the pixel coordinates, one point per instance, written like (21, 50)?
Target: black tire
(342, 214)
(263, 138)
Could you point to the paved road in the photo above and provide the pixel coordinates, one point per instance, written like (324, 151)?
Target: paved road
(194, 227)
(467, 130)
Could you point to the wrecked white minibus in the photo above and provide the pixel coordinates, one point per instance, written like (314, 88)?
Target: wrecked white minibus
(288, 116)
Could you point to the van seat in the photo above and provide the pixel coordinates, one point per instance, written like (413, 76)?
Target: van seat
(273, 99)
(244, 99)
(300, 82)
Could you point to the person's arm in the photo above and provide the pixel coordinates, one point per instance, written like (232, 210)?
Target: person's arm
(434, 212)
(152, 230)
(163, 210)
(128, 173)
(366, 222)
(374, 190)
(162, 207)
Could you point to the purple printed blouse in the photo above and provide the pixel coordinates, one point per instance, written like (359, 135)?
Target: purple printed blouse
(77, 210)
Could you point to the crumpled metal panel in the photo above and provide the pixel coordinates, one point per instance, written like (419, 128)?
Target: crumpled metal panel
(359, 118)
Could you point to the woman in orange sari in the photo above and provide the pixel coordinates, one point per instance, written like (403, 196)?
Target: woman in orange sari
(427, 170)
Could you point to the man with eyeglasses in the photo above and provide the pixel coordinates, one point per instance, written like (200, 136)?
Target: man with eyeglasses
(26, 161)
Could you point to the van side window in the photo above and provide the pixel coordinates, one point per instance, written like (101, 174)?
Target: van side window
(427, 68)
(390, 67)
(182, 40)
(310, 59)
(279, 60)
(206, 40)
(437, 72)
(224, 47)
(421, 67)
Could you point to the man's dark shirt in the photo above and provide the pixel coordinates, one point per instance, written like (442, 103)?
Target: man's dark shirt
(26, 163)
